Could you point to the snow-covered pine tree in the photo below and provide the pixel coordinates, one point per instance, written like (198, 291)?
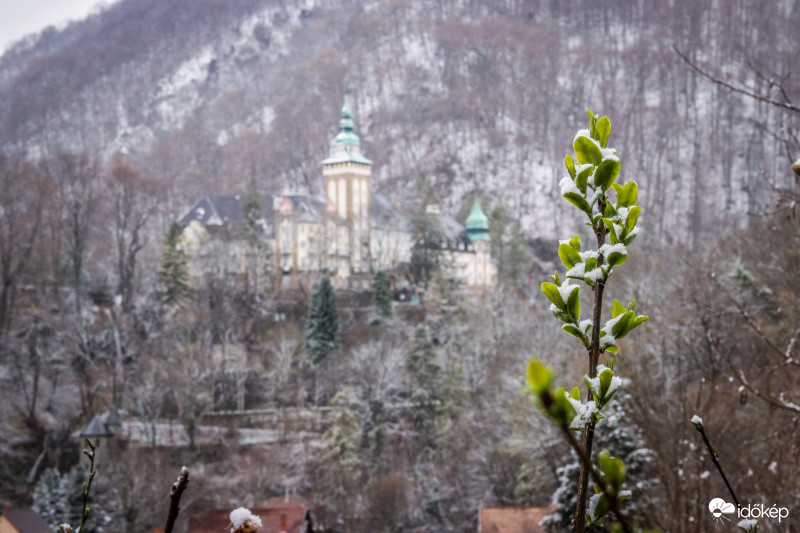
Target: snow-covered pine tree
(509, 249)
(622, 439)
(426, 234)
(173, 270)
(57, 499)
(421, 362)
(423, 372)
(381, 296)
(338, 469)
(253, 233)
(50, 499)
(323, 322)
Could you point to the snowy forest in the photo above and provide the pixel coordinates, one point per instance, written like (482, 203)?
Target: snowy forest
(380, 414)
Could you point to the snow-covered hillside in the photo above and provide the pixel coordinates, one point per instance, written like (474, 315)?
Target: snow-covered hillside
(483, 97)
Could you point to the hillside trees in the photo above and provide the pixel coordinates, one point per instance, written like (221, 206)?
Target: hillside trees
(77, 178)
(22, 204)
(135, 199)
(338, 469)
(424, 374)
(738, 312)
(484, 82)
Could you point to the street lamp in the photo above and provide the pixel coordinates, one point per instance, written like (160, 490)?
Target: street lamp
(113, 420)
(96, 429)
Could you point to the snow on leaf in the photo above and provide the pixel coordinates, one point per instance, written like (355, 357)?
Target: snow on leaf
(565, 290)
(594, 274)
(608, 249)
(583, 412)
(567, 186)
(577, 271)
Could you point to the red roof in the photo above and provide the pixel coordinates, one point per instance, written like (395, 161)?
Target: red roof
(27, 521)
(278, 515)
(512, 520)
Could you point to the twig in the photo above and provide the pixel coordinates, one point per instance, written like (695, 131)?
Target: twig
(714, 457)
(579, 520)
(741, 90)
(778, 404)
(175, 499)
(85, 489)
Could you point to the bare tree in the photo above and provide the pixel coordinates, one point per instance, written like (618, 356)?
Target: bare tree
(77, 177)
(21, 202)
(134, 199)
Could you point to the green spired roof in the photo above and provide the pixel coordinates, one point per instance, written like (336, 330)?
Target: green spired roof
(346, 146)
(477, 223)
(346, 125)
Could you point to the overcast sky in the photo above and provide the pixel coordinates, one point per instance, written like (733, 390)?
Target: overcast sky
(18, 18)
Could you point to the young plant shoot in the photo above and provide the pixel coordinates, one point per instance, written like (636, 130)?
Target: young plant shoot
(611, 212)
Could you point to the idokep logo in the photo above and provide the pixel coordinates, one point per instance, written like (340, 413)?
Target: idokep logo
(719, 508)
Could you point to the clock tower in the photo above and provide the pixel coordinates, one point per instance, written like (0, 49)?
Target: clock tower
(347, 189)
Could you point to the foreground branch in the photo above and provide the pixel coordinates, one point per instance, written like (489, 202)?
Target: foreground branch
(741, 90)
(175, 499)
(698, 424)
(85, 490)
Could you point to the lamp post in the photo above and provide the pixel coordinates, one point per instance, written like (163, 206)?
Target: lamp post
(96, 429)
(113, 420)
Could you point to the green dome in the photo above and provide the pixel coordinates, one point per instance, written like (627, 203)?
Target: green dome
(346, 125)
(477, 223)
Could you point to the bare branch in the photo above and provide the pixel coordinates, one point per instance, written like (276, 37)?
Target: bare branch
(790, 346)
(715, 458)
(788, 105)
(778, 404)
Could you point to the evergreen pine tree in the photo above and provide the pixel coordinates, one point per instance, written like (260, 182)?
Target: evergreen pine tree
(57, 499)
(381, 296)
(421, 362)
(253, 233)
(339, 466)
(323, 322)
(426, 235)
(509, 248)
(173, 271)
(621, 438)
(50, 498)
(424, 374)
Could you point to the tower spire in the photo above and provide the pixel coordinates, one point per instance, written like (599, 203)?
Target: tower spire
(477, 223)
(346, 136)
(346, 123)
